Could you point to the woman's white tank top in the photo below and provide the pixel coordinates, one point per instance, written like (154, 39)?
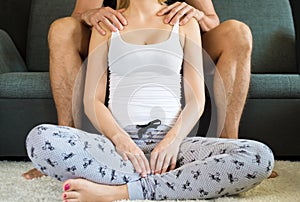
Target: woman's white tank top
(145, 80)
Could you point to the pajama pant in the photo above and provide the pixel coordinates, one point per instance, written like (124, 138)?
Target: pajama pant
(206, 167)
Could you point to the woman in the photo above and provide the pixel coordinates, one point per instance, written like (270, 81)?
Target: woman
(142, 151)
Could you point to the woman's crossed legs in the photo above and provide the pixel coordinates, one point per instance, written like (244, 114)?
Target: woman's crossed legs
(207, 167)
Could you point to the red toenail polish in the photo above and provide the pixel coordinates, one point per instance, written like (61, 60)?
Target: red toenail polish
(65, 196)
(67, 187)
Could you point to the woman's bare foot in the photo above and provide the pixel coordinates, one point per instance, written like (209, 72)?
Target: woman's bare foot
(31, 174)
(80, 190)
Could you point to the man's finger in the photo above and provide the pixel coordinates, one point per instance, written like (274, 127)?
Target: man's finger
(98, 28)
(116, 17)
(180, 13)
(174, 12)
(109, 24)
(113, 20)
(187, 17)
(121, 10)
(167, 9)
(121, 18)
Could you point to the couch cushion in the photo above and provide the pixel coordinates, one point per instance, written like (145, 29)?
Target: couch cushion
(275, 86)
(10, 59)
(42, 13)
(271, 22)
(25, 85)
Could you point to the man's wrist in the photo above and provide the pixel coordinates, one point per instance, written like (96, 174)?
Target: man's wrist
(199, 16)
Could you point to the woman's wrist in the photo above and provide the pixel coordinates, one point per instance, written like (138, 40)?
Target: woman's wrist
(174, 136)
(117, 138)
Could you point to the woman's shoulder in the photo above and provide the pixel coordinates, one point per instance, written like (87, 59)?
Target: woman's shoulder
(191, 31)
(99, 37)
(191, 25)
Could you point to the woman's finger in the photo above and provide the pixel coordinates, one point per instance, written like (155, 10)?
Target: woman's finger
(166, 164)
(146, 163)
(153, 160)
(159, 163)
(173, 163)
(124, 157)
(135, 163)
(141, 164)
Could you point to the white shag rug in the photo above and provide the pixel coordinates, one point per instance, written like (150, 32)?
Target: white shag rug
(13, 188)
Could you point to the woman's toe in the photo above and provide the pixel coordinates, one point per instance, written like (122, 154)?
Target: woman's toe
(70, 195)
(69, 185)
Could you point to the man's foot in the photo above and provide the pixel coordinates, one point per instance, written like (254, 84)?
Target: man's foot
(31, 174)
(273, 174)
(84, 190)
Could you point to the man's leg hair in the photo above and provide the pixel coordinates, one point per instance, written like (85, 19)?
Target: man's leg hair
(68, 44)
(230, 45)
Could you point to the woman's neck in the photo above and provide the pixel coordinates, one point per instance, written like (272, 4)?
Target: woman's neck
(143, 9)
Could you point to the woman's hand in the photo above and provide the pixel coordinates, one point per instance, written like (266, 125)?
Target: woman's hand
(110, 17)
(164, 155)
(126, 147)
(180, 11)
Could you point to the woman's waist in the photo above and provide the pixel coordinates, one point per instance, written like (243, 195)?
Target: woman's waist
(143, 113)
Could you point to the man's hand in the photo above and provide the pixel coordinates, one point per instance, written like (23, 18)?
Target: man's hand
(110, 17)
(164, 155)
(180, 11)
(130, 151)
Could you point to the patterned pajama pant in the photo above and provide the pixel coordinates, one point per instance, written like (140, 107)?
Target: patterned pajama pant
(206, 167)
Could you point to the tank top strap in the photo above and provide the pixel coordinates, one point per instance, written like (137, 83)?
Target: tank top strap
(175, 29)
(115, 34)
(175, 32)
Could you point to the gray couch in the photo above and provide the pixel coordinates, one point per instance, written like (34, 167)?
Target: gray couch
(272, 112)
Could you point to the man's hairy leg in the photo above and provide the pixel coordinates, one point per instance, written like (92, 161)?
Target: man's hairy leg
(68, 43)
(230, 45)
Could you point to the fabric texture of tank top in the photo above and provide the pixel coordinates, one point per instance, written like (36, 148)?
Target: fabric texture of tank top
(145, 80)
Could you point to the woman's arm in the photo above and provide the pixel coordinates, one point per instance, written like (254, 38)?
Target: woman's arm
(193, 80)
(95, 87)
(98, 113)
(164, 155)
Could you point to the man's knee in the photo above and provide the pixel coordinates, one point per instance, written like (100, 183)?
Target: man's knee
(238, 35)
(63, 29)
